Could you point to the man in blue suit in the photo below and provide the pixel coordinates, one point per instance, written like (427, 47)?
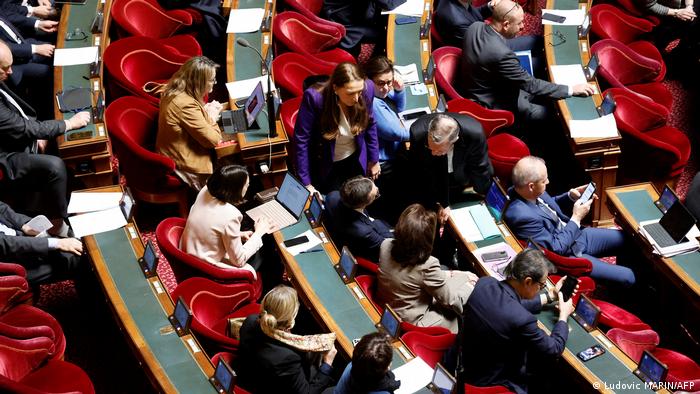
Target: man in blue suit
(499, 329)
(534, 214)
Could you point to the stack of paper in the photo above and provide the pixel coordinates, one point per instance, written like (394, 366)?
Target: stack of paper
(414, 375)
(75, 56)
(408, 73)
(603, 127)
(244, 87)
(464, 222)
(410, 8)
(568, 74)
(245, 20)
(98, 212)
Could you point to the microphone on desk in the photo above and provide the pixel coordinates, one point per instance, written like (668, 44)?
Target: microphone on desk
(269, 97)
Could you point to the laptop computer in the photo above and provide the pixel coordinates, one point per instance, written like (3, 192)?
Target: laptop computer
(390, 323)
(149, 261)
(315, 212)
(224, 378)
(585, 26)
(288, 205)
(242, 119)
(347, 266)
(496, 200)
(181, 318)
(668, 197)
(590, 69)
(586, 313)
(442, 382)
(650, 369)
(671, 229)
(607, 106)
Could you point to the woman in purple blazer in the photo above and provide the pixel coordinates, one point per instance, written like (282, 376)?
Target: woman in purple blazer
(335, 134)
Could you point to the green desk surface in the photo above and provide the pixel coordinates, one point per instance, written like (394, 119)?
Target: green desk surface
(641, 206)
(483, 242)
(338, 300)
(148, 315)
(246, 61)
(407, 50)
(606, 367)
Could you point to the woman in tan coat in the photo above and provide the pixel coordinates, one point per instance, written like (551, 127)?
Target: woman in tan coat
(187, 129)
(411, 281)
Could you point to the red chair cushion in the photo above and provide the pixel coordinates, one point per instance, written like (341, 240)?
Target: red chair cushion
(634, 343)
(608, 21)
(681, 368)
(146, 19)
(12, 291)
(428, 347)
(621, 66)
(25, 319)
(19, 357)
(303, 35)
(446, 65)
(504, 151)
(59, 377)
(615, 317)
(491, 119)
(290, 70)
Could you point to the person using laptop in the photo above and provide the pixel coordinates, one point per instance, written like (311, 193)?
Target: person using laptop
(187, 128)
(500, 332)
(534, 214)
(335, 135)
(370, 369)
(412, 282)
(213, 229)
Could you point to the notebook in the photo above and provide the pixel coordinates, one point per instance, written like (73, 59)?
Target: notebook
(288, 205)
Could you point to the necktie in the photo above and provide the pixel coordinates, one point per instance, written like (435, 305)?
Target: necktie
(550, 212)
(10, 32)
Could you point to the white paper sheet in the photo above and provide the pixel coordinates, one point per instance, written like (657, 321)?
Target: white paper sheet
(465, 224)
(569, 74)
(40, 223)
(410, 8)
(418, 89)
(496, 268)
(296, 249)
(244, 87)
(97, 222)
(73, 56)
(573, 17)
(409, 73)
(90, 202)
(414, 375)
(245, 20)
(602, 127)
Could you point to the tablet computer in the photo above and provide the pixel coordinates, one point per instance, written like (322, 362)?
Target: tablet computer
(181, 318)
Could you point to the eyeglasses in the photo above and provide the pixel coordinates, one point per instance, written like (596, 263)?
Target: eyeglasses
(381, 84)
(560, 37)
(542, 285)
(376, 196)
(512, 8)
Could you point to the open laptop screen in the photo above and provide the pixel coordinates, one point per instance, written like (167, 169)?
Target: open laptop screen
(293, 195)
(652, 368)
(496, 200)
(667, 199)
(254, 104)
(677, 221)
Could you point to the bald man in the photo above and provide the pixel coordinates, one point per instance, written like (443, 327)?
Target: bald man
(493, 76)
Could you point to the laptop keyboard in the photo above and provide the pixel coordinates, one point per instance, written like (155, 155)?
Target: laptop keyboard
(278, 215)
(659, 234)
(239, 120)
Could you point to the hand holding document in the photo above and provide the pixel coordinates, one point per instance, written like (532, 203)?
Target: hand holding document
(245, 20)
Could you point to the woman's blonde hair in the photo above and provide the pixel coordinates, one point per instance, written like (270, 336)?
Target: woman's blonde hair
(192, 78)
(279, 309)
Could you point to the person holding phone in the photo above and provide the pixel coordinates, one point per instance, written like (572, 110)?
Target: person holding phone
(500, 329)
(534, 214)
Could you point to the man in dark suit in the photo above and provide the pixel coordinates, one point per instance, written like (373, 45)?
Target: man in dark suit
(352, 225)
(534, 214)
(448, 152)
(44, 258)
(22, 138)
(493, 76)
(499, 330)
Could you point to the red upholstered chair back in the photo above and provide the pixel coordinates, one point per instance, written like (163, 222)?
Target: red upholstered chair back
(148, 19)
(428, 347)
(621, 66)
(446, 67)
(634, 343)
(19, 357)
(12, 269)
(681, 368)
(303, 35)
(26, 322)
(133, 62)
(490, 119)
(608, 21)
(12, 291)
(577, 266)
(613, 316)
(635, 115)
(288, 113)
(290, 70)
(314, 6)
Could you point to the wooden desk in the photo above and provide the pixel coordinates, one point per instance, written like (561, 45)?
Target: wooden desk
(89, 159)
(597, 156)
(598, 374)
(141, 307)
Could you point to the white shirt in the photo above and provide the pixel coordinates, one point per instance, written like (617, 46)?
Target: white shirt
(344, 142)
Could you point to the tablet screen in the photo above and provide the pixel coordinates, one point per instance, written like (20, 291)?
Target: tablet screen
(390, 323)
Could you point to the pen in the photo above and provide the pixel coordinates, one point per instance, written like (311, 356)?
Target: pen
(316, 249)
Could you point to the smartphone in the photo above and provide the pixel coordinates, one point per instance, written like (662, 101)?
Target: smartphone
(296, 241)
(588, 193)
(591, 353)
(405, 20)
(494, 256)
(567, 289)
(553, 18)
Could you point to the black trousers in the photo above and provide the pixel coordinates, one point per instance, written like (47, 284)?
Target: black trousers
(37, 184)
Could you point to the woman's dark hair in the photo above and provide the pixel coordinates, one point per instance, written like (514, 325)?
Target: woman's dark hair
(414, 235)
(529, 262)
(226, 183)
(371, 359)
(377, 66)
(355, 192)
(357, 115)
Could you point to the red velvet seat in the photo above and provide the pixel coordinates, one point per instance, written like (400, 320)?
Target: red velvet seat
(681, 368)
(288, 114)
(13, 290)
(577, 266)
(428, 347)
(504, 149)
(632, 8)
(646, 138)
(313, 38)
(615, 317)
(290, 70)
(312, 10)
(142, 18)
(622, 67)
(184, 265)
(212, 304)
(133, 124)
(12, 269)
(446, 68)
(608, 21)
(25, 368)
(25, 322)
(133, 62)
(368, 283)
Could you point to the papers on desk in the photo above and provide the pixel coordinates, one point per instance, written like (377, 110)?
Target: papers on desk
(90, 202)
(603, 127)
(475, 223)
(74, 56)
(407, 114)
(414, 375)
(670, 251)
(244, 87)
(418, 89)
(496, 268)
(570, 74)
(97, 222)
(296, 249)
(410, 8)
(573, 17)
(408, 73)
(245, 20)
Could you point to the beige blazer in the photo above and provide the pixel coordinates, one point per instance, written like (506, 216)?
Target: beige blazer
(424, 294)
(186, 134)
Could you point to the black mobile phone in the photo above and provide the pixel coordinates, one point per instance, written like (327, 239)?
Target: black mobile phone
(567, 289)
(591, 353)
(553, 18)
(494, 256)
(405, 20)
(296, 241)
(588, 193)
